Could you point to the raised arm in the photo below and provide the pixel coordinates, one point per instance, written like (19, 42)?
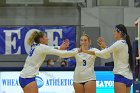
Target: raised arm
(93, 52)
(63, 46)
(105, 56)
(88, 52)
(103, 53)
(114, 47)
(61, 53)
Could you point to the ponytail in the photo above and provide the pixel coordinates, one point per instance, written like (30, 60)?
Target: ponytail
(32, 37)
(130, 51)
(121, 28)
(35, 36)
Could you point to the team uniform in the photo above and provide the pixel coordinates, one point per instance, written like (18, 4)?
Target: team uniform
(121, 64)
(34, 60)
(84, 70)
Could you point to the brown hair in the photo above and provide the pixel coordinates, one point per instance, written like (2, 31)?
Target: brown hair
(125, 35)
(89, 39)
(35, 36)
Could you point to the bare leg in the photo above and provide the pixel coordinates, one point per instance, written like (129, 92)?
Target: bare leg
(31, 88)
(128, 89)
(79, 88)
(90, 87)
(119, 87)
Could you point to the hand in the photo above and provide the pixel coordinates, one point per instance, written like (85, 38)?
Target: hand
(81, 49)
(101, 42)
(64, 45)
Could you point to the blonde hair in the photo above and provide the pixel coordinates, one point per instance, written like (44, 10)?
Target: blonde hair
(35, 36)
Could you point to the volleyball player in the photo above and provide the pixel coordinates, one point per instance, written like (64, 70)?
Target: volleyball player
(38, 52)
(123, 59)
(84, 80)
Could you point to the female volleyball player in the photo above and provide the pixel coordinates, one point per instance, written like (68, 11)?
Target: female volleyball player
(123, 59)
(38, 52)
(84, 76)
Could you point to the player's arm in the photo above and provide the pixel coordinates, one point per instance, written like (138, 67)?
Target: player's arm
(110, 49)
(105, 56)
(88, 52)
(61, 53)
(63, 46)
(101, 43)
(105, 52)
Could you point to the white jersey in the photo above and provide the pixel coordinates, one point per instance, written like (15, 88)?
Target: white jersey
(84, 70)
(37, 56)
(120, 56)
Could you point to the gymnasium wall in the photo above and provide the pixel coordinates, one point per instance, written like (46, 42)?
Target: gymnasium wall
(106, 18)
(97, 21)
(35, 16)
(39, 16)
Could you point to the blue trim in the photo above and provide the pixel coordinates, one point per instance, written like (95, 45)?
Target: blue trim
(101, 68)
(25, 81)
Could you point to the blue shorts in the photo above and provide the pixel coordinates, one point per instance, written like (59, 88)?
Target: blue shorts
(122, 79)
(25, 81)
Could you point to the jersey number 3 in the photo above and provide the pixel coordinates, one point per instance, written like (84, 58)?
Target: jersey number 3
(84, 63)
